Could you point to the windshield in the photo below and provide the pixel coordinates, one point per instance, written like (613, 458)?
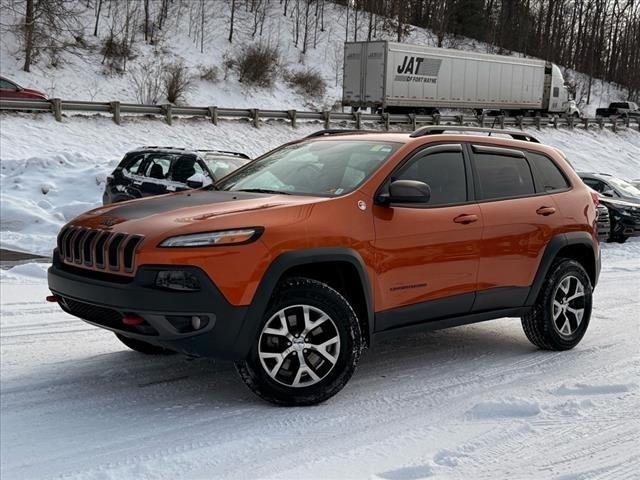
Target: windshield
(330, 167)
(221, 166)
(625, 188)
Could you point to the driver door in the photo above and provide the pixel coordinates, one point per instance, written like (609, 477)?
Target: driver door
(427, 255)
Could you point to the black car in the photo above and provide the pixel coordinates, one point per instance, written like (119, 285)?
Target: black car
(154, 170)
(622, 199)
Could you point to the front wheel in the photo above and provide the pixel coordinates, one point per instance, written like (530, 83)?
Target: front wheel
(307, 348)
(560, 316)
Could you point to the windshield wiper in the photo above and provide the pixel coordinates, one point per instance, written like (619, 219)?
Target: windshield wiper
(262, 190)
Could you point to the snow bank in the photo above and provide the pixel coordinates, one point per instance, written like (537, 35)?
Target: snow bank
(52, 171)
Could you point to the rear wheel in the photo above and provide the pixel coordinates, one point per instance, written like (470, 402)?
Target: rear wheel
(560, 316)
(307, 348)
(143, 347)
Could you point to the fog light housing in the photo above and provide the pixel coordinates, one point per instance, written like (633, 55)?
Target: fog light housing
(177, 280)
(188, 323)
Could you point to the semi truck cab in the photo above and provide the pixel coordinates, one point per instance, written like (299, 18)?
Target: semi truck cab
(556, 94)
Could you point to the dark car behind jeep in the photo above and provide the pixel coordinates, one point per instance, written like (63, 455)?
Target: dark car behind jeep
(150, 171)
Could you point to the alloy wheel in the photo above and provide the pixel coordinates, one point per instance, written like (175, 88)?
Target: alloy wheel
(299, 345)
(568, 306)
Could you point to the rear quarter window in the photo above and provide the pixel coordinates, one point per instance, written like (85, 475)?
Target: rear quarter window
(548, 176)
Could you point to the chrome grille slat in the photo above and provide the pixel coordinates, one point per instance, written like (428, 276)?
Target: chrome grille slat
(98, 249)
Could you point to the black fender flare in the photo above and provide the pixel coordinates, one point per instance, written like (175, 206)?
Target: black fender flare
(274, 273)
(557, 243)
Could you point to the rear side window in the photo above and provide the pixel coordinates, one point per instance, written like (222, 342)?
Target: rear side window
(501, 176)
(548, 176)
(443, 172)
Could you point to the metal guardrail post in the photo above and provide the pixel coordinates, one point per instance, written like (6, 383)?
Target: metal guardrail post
(570, 121)
(501, 120)
(56, 106)
(385, 119)
(586, 124)
(519, 121)
(436, 118)
(626, 121)
(358, 118)
(326, 115)
(255, 115)
(460, 119)
(168, 113)
(555, 122)
(412, 119)
(600, 121)
(481, 120)
(115, 109)
(292, 116)
(213, 113)
(537, 122)
(614, 121)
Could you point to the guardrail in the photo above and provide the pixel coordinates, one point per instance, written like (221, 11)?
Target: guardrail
(57, 106)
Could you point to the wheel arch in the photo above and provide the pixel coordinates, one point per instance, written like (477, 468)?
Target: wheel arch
(341, 268)
(578, 246)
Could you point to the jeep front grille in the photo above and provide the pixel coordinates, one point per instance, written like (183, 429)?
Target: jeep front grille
(98, 249)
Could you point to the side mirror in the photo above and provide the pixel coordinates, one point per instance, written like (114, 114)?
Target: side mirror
(407, 191)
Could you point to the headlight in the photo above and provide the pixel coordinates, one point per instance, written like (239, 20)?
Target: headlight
(212, 239)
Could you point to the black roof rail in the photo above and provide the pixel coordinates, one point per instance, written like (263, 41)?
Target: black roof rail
(223, 152)
(439, 129)
(337, 131)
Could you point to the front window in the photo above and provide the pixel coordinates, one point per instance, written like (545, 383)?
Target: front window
(7, 85)
(328, 167)
(221, 166)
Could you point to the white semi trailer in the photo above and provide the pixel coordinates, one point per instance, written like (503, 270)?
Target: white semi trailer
(398, 77)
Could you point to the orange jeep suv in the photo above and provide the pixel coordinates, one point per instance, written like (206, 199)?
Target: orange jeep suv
(296, 262)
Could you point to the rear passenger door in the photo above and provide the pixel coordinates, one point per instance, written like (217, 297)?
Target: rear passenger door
(520, 216)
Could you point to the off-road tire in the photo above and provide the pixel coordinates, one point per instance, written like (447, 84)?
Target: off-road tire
(538, 323)
(305, 291)
(143, 347)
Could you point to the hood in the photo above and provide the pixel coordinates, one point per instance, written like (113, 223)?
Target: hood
(624, 202)
(192, 211)
(34, 92)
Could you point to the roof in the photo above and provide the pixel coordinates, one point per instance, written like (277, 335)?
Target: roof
(180, 150)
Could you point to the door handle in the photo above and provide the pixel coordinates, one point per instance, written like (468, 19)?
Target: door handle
(546, 211)
(466, 219)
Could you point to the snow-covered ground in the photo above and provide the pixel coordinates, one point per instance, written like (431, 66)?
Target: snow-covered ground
(51, 171)
(474, 402)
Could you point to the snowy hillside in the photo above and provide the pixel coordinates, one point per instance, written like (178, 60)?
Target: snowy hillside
(81, 76)
(52, 171)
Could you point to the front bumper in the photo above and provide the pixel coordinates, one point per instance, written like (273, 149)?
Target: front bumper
(103, 300)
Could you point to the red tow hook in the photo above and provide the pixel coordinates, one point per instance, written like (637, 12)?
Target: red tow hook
(53, 298)
(132, 320)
